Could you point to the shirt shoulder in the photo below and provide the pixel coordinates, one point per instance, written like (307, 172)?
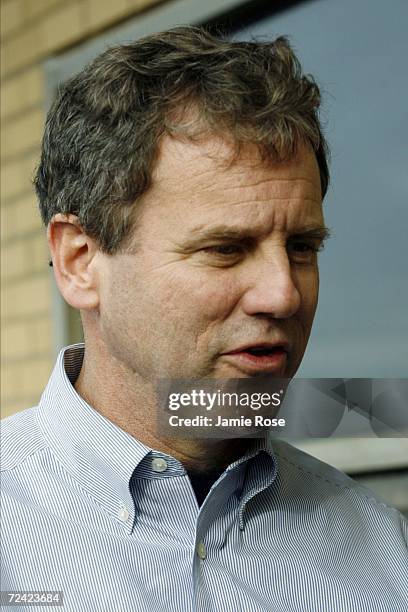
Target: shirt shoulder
(20, 438)
(316, 477)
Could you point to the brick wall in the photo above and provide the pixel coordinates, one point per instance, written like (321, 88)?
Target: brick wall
(32, 31)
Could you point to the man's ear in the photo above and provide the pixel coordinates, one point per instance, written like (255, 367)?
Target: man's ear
(73, 255)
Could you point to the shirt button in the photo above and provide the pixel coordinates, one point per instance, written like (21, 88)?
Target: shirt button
(123, 514)
(201, 550)
(159, 465)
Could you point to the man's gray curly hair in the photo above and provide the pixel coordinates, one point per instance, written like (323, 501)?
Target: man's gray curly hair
(103, 130)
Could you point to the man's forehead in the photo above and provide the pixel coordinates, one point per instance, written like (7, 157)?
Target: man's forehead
(214, 158)
(195, 191)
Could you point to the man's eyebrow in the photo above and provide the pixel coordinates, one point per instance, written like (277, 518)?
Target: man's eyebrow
(223, 233)
(319, 232)
(227, 233)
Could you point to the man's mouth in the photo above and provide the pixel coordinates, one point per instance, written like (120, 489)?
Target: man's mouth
(262, 351)
(263, 357)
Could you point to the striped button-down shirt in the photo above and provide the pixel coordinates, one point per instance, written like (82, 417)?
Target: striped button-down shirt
(90, 511)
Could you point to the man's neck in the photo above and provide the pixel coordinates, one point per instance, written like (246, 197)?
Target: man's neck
(131, 405)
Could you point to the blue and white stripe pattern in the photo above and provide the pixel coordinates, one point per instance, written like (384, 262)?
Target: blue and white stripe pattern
(89, 510)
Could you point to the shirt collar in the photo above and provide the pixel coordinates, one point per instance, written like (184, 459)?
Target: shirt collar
(101, 457)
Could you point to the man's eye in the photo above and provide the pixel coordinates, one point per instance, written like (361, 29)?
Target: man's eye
(303, 247)
(302, 250)
(225, 249)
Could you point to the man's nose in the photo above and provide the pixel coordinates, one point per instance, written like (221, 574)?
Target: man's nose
(271, 290)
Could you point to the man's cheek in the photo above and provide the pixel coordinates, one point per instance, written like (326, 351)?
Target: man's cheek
(194, 290)
(307, 284)
(218, 295)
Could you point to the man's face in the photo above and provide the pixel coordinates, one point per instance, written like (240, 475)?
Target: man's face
(222, 280)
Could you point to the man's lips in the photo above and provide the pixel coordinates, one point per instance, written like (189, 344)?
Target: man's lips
(264, 357)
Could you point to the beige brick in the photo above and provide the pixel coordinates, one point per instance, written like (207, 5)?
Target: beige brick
(13, 260)
(11, 406)
(138, 5)
(22, 91)
(35, 375)
(9, 97)
(105, 12)
(8, 222)
(10, 380)
(22, 133)
(11, 101)
(23, 49)
(37, 295)
(15, 341)
(20, 217)
(30, 296)
(10, 179)
(12, 15)
(9, 296)
(63, 26)
(17, 177)
(32, 85)
(41, 335)
(4, 222)
(33, 8)
(36, 253)
(27, 214)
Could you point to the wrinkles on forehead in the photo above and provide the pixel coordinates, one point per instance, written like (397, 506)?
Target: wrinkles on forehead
(206, 164)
